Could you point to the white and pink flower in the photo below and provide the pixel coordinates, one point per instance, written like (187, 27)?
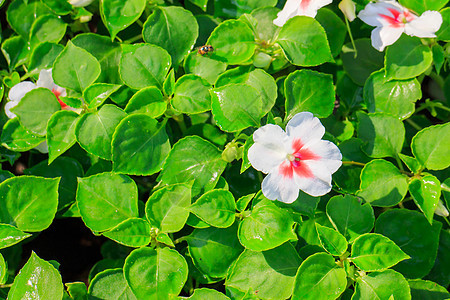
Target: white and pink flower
(294, 8)
(295, 159)
(45, 80)
(391, 20)
(80, 3)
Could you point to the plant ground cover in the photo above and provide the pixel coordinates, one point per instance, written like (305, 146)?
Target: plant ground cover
(224, 149)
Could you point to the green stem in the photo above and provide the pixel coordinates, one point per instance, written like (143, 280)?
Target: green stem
(351, 36)
(4, 286)
(413, 124)
(133, 39)
(139, 22)
(446, 220)
(399, 163)
(353, 163)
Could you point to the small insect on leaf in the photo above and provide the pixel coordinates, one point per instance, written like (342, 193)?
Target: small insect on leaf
(205, 49)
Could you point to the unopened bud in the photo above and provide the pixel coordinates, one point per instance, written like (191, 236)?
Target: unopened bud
(261, 60)
(348, 8)
(230, 153)
(441, 210)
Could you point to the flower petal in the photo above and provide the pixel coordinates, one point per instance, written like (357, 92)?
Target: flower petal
(8, 106)
(290, 10)
(317, 185)
(46, 80)
(385, 36)
(268, 151)
(304, 127)
(17, 92)
(278, 187)
(425, 26)
(315, 5)
(374, 14)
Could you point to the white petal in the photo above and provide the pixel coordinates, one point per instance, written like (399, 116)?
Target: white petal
(317, 185)
(385, 36)
(8, 106)
(290, 10)
(46, 80)
(425, 26)
(80, 3)
(268, 150)
(317, 4)
(42, 147)
(278, 187)
(306, 127)
(373, 13)
(329, 154)
(17, 92)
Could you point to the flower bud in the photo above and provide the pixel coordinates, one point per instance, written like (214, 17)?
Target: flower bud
(231, 152)
(348, 8)
(441, 210)
(261, 60)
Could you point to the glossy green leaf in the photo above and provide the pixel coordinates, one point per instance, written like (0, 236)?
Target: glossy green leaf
(60, 7)
(21, 15)
(75, 68)
(144, 65)
(10, 235)
(427, 290)
(105, 200)
(268, 274)
(203, 66)
(43, 56)
(443, 33)
(191, 95)
(47, 28)
(305, 205)
(118, 15)
(319, 277)
(334, 28)
(207, 294)
(311, 91)
(3, 270)
(167, 208)
(407, 58)
(382, 184)
(412, 163)
(28, 202)
(233, 42)
(213, 250)
(232, 9)
(94, 131)
(304, 42)
(169, 84)
(440, 273)
(420, 6)
(216, 207)
(382, 285)
(374, 252)
(331, 240)
(96, 94)
(349, 217)
(110, 284)
(267, 227)
(155, 274)
(411, 231)
(139, 145)
(163, 29)
(16, 138)
(382, 134)
(35, 108)
(147, 101)
(133, 232)
(431, 147)
(164, 238)
(426, 192)
(77, 290)
(15, 50)
(61, 133)
(37, 278)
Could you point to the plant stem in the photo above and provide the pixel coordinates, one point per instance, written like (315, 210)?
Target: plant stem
(399, 163)
(133, 39)
(413, 124)
(353, 163)
(351, 36)
(446, 220)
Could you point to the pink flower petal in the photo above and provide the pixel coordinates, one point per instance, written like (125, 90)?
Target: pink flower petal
(17, 92)
(329, 154)
(305, 127)
(317, 185)
(278, 187)
(424, 26)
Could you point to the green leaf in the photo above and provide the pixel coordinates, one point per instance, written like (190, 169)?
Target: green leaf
(60, 7)
(267, 227)
(365, 63)
(105, 200)
(35, 108)
(207, 294)
(97, 93)
(61, 133)
(319, 277)
(374, 252)
(213, 250)
(349, 217)
(140, 145)
(3, 270)
(230, 112)
(163, 29)
(164, 239)
(47, 28)
(411, 231)
(269, 274)
(10, 235)
(193, 158)
(426, 192)
(382, 285)
(148, 101)
(394, 97)
(412, 163)
(28, 202)
(203, 66)
(155, 274)
(443, 33)
(407, 58)
(167, 208)
(311, 91)
(15, 50)
(382, 184)
(133, 232)
(431, 147)
(169, 83)
(216, 207)
(144, 65)
(304, 42)
(43, 56)
(94, 131)
(305, 205)
(37, 278)
(232, 9)
(382, 134)
(75, 68)
(21, 15)
(118, 15)
(110, 284)
(191, 95)
(440, 273)
(420, 6)
(264, 30)
(16, 138)
(233, 42)
(77, 290)
(427, 290)
(331, 240)
(334, 28)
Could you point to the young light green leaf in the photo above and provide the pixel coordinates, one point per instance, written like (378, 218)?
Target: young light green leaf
(16, 138)
(22, 14)
(11, 235)
(147, 101)
(331, 240)
(426, 192)
(47, 28)
(110, 284)
(207, 294)
(97, 93)
(385, 285)
(216, 207)
(43, 56)
(421, 6)
(118, 15)
(61, 133)
(203, 66)
(15, 50)
(133, 232)
(424, 289)
(191, 95)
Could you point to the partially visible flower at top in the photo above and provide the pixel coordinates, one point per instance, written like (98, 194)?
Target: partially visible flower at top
(45, 80)
(295, 159)
(348, 8)
(294, 8)
(80, 3)
(392, 19)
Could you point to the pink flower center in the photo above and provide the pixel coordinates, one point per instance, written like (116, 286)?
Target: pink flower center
(304, 4)
(398, 19)
(296, 161)
(57, 94)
